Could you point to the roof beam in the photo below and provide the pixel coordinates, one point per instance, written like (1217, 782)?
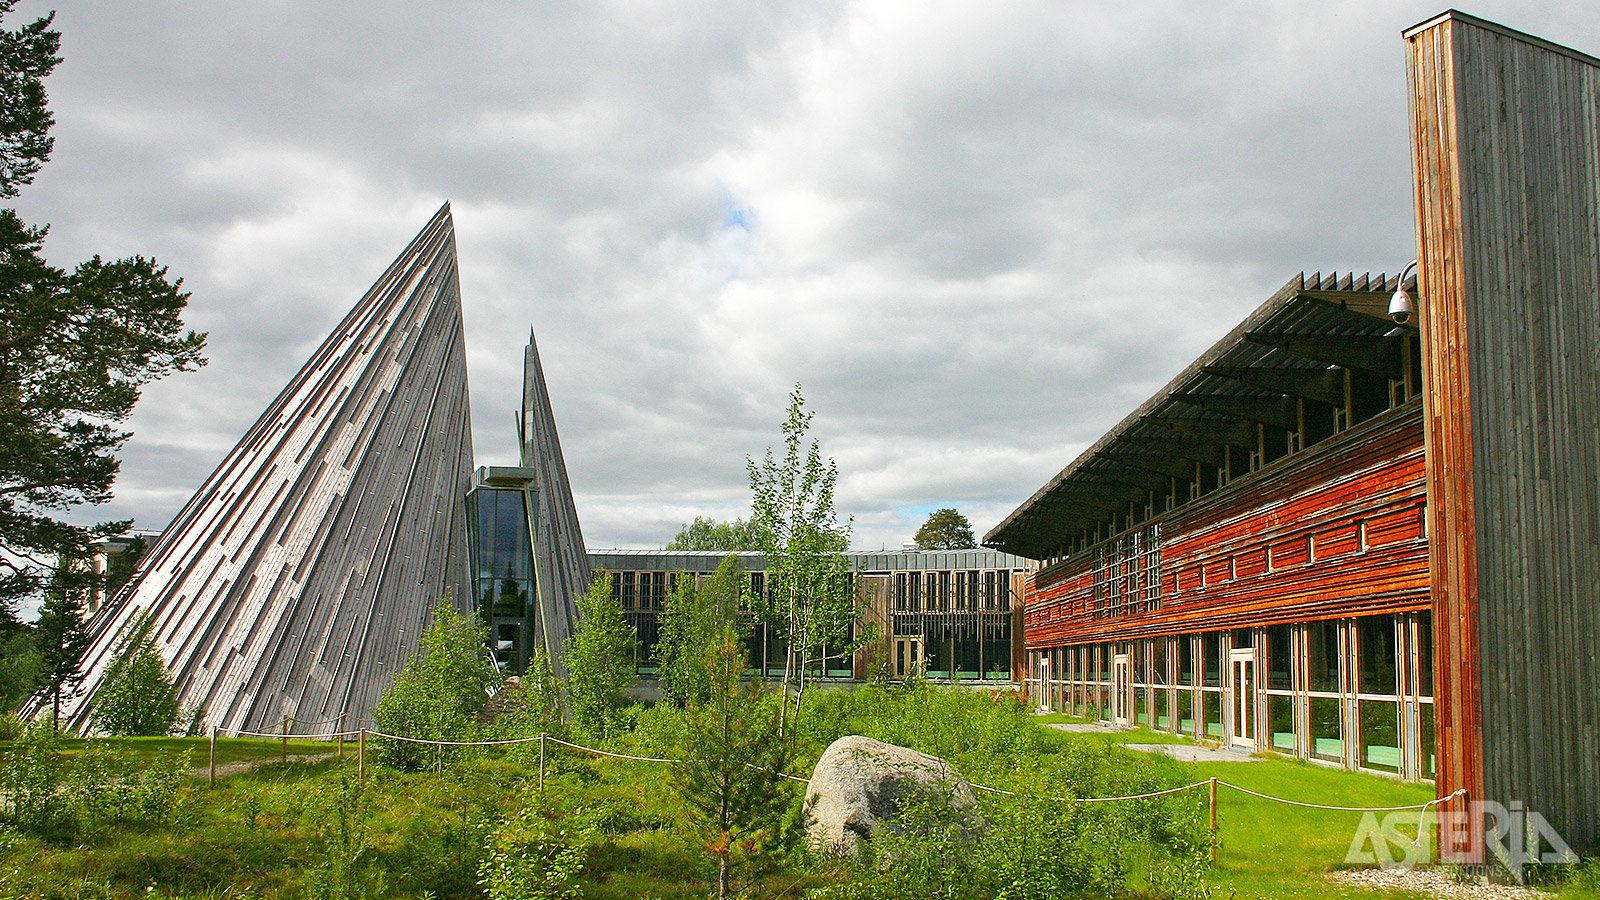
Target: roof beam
(1379, 354)
(1321, 385)
(1222, 431)
(1165, 464)
(1279, 412)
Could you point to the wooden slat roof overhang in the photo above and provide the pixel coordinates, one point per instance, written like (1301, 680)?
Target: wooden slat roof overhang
(1293, 347)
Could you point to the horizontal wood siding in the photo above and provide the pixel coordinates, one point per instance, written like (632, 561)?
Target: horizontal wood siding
(1309, 511)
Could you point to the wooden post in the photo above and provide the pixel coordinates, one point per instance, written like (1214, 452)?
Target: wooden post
(541, 765)
(361, 756)
(284, 727)
(1213, 817)
(212, 777)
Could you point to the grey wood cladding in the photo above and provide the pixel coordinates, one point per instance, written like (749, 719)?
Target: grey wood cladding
(296, 580)
(1506, 146)
(561, 561)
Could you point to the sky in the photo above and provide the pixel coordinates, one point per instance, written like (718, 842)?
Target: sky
(977, 233)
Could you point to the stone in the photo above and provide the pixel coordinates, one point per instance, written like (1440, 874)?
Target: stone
(859, 783)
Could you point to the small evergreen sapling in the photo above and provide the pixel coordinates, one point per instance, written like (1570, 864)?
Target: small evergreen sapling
(731, 773)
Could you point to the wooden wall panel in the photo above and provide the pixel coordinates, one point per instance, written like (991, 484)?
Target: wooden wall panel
(1507, 161)
(1214, 554)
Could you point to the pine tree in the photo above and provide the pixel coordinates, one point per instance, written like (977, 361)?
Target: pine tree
(60, 637)
(946, 529)
(731, 773)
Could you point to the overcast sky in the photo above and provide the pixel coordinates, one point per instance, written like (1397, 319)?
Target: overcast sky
(978, 233)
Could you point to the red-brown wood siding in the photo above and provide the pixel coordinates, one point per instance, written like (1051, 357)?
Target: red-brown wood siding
(1308, 510)
(1442, 319)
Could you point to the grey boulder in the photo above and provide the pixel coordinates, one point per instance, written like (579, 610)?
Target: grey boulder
(859, 785)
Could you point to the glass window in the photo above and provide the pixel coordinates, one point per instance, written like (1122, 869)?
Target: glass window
(1211, 658)
(1380, 740)
(1326, 740)
(1425, 654)
(1185, 712)
(1211, 704)
(1322, 653)
(1185, 660)
(1158, 660)
(1279, 659)
(1428, 764)
(1280, 722)
(1377, 641)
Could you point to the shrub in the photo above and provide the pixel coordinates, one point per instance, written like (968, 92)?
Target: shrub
(532, 857)
(438, 694)
(599, 662)
(137, 696)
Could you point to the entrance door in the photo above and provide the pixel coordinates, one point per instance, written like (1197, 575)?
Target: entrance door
(907, 656)
(1244, 697)
(1122, 689)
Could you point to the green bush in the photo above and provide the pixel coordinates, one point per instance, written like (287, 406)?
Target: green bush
(137, 696)
(439, 692)
(46, 793)
(531, 856)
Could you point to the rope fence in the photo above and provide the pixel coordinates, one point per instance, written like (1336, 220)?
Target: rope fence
(1211, 783)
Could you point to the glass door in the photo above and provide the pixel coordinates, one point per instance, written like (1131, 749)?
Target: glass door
(1122, 689)
(1244, 697)
(907, 656)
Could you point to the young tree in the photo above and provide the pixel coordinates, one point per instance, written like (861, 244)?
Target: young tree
(945, 529)
(709, 534)
(691, 624)
(137, 696)
(60, 637)
(438, 694)
(599, 660)
(807, 575)
(75, 347)
(731, 774)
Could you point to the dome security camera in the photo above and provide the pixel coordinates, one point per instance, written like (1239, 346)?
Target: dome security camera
(1401, 307)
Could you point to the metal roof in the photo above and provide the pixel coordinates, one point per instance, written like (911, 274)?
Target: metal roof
(860, 560)
(1294, 346)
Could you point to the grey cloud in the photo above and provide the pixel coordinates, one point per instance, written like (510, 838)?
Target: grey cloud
(978, 237)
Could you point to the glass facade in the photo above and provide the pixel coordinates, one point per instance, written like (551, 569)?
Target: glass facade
(945, 624)
(504, 584)
(1353, 692)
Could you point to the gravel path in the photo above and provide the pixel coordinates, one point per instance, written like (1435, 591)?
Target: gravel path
(245, 765)
(1434, 883)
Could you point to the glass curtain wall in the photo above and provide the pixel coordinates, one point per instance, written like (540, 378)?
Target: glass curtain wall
(504, 587)
(1354, 692)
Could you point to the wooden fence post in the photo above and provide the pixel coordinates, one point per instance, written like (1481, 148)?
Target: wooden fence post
(541, 764)
(284, 727)
(1213, 817)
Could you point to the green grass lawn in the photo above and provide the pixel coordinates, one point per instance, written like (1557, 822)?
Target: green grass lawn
(229, 750)
(274, 831)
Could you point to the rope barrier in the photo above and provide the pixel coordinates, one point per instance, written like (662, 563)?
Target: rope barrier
(980, 787)
(299, 737)
(1422, 806)
(612, 755)
(1176, 790)
(412, 740)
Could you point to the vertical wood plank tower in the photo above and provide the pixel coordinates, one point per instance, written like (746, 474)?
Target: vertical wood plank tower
(1506, 154)
(294, 583)
(561, 560)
